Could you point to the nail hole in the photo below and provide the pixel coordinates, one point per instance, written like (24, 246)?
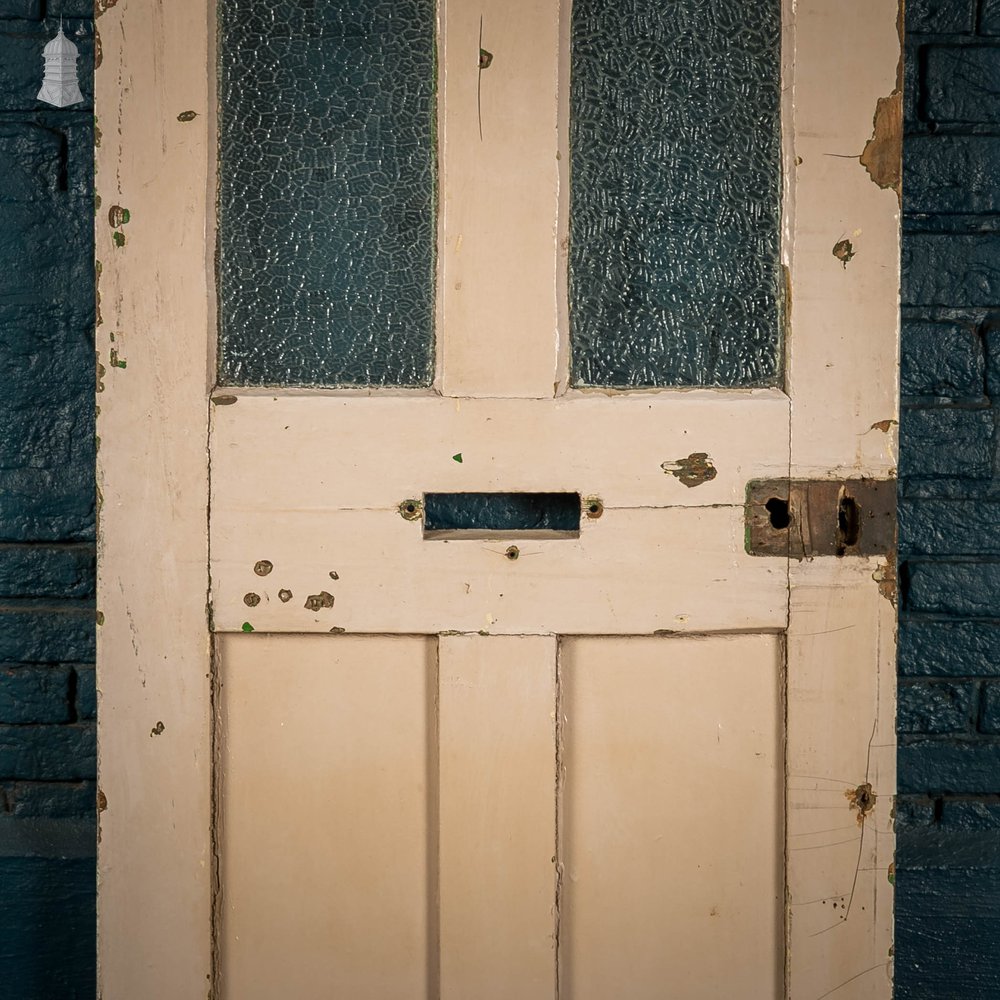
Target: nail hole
(778, 511)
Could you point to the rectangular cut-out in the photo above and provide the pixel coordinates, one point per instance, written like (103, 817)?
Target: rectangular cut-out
(326, 193)
(675, 209)
(502, 513)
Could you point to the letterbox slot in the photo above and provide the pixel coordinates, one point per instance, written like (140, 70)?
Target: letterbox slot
(501, 515)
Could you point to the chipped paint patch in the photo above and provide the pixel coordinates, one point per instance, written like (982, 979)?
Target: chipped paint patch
(692, 471)
(844, 251)
(157, 730)
(884, 425)
(882, 156)
(224, 400)
(316, 602)
(885, 577)
(115, 360)
(187, 116)
(263, 566)
(118, 216)
(862, 799)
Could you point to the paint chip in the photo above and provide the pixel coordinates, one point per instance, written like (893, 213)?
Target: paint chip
(844, 251)
(692, 471)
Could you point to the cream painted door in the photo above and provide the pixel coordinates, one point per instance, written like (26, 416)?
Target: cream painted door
(341, 756)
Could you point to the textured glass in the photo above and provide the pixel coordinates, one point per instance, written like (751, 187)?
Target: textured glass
(675, 193)
(326, 192)
(502, 512)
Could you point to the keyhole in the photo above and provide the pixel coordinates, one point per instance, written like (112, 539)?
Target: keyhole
(848, 524)
(778, 511)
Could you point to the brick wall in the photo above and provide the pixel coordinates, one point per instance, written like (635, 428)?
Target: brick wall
(948, 812)
(47, 696)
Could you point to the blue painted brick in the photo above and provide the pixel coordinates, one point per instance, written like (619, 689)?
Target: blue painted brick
(57, 636)
(945, 441)
(989, 720)
(949, 649)
(35, 694)
(936, 707)
(972, 815)
(49, 504)
(31, 162)
(959, 84)
(46, 570)
(49, 753)
(947, 927)
(989, 19)
(947, 270)
(949, 527)
(48, 928)
(49, 799)
(936, 766)
(86, 691)
(29, 10)
(944, 360)
(940, 16)
(914, 812)
(949, 174)
(21, 68)
(964, 589)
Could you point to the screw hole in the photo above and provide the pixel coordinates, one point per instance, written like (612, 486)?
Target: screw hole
(512, 553)
(778, 511)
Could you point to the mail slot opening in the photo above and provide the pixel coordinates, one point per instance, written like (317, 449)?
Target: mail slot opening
(501, 515)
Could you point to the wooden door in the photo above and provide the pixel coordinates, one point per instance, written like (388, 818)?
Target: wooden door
(346, 754)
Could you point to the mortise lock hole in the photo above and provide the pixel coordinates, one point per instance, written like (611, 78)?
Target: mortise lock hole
(848, 524)
(777, 509)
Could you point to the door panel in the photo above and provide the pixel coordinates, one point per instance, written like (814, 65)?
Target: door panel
(671, 821)
(325, 842)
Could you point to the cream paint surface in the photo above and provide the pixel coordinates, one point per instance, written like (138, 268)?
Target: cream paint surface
(154, 663)
(672, 818)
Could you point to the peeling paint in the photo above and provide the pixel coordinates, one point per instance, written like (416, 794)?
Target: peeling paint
(885, 577)
(102, 800)
(692, 471)
(844, 251)
(101, 371)
(115, 360)
(862, 799)
(187, 116)
(224, 400)
(884, 425)
(98, 49)
(882, 155)
(316, 602)
(158, 729)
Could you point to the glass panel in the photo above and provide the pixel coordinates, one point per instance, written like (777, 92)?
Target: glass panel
(675, 200)
(326, 192)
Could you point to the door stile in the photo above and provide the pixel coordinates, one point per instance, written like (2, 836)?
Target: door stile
(155, 860)
(844, 411)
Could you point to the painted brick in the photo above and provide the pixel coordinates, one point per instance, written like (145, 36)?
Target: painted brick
(948, 270)
(949, 174)
(31, 693)
(936, 766)
(29, 10)
(936, 708)
(991, 342)
(949, 649)
(970, 814)
(48, 504)
(949, 527)
(940, 17)
(959, 84)
(21, 67)
(947, 926)
(914, 812)
(945, 441)
(86, 691)
(942, 359)
(989, 18)
(49, 753)
(49, 799)
(31, 162)
(46, 571)
(71, 8)
(989, 720)
(47, 636)
(966, 589)
(48, 928)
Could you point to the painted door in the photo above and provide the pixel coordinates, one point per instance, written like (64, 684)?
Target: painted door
(366, 732)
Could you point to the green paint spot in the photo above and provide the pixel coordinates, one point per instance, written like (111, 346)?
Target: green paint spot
(457, 458)
(118, 239)
(247, 627)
